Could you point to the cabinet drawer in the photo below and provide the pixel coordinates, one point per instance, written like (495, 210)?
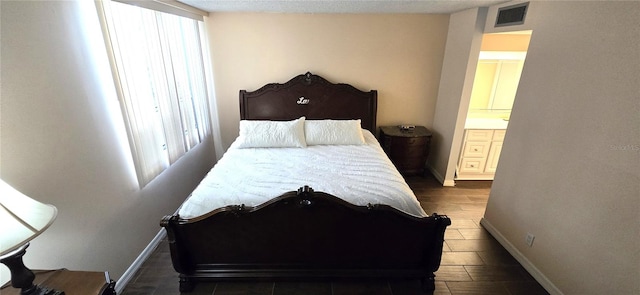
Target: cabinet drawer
(479, 135)
(498, 135)
(472, 165)
(477, 149)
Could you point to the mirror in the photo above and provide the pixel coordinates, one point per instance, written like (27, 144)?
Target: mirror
(496, 81)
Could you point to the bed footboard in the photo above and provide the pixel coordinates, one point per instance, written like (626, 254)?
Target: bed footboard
(305, 235)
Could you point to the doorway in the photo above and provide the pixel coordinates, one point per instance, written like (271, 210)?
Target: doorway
(502, 57)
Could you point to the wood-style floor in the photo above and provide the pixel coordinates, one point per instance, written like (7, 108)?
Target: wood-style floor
(473, 262)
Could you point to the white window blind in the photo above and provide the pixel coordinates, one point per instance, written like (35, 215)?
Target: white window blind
(159, 72)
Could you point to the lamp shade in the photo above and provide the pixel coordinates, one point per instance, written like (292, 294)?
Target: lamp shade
(21, 218)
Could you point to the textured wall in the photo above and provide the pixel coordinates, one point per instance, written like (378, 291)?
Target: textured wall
(568, 171)
(63, 142)
(400, 55)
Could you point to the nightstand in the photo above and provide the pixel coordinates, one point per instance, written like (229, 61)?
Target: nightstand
(407, 149)
(71, 282)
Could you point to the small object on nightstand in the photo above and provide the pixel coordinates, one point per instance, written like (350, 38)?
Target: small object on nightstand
(407, 147)
(407, 128)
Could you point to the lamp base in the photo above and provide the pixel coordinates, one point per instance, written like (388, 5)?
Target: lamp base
(22, 277)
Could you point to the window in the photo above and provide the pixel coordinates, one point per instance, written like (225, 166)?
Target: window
(158, 66)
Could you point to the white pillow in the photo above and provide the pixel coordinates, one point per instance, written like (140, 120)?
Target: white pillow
(333, 132)
(262, 134)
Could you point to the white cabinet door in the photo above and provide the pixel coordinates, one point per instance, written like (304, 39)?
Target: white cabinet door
(498, 135)
(494, 156)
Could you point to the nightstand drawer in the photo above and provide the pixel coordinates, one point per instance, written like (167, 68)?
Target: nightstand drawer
(408, 160)
(411, 167)
(408, 146)
(411, 141)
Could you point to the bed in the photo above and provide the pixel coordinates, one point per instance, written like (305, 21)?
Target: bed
(310, 224)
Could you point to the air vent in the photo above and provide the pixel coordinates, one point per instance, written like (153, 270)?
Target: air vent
(512, 15)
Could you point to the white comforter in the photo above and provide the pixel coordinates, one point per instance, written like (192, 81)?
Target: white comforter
(359, 174)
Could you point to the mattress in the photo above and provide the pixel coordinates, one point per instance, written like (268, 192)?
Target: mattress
(358, 174)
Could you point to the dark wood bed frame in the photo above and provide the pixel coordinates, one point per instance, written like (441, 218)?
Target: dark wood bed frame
(305, 234)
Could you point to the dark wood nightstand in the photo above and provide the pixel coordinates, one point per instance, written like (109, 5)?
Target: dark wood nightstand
(71, 282)
(407, 149)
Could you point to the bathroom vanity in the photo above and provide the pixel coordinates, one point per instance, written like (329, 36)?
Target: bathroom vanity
(481, 149)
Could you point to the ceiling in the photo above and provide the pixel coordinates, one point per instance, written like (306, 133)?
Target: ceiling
(340, 6)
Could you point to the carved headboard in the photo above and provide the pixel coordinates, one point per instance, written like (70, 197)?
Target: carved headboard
(311, 96)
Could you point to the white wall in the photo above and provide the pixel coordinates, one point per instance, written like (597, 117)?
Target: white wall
(63, 141)
(568, 171)
(400, 55)
(458, 70)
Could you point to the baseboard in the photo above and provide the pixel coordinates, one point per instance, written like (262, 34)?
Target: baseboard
(439, 177)
(449, 183)
(475, 177)
(127, 276)
(532, 269)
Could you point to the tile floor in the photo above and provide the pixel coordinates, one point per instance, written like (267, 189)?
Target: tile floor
(473, 262)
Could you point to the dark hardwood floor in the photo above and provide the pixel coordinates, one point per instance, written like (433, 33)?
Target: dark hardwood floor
(473, 262)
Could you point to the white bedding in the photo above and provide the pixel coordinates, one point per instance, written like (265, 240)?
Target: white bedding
(359, 174)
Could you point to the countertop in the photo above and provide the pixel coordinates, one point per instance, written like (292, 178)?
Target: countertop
(485, 123)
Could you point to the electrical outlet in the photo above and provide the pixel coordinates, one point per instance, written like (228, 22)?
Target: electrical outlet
(529, 239)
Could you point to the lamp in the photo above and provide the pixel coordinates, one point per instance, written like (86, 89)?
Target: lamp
(22, 219)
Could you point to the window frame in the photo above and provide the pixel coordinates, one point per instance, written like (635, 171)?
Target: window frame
(177, 110)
